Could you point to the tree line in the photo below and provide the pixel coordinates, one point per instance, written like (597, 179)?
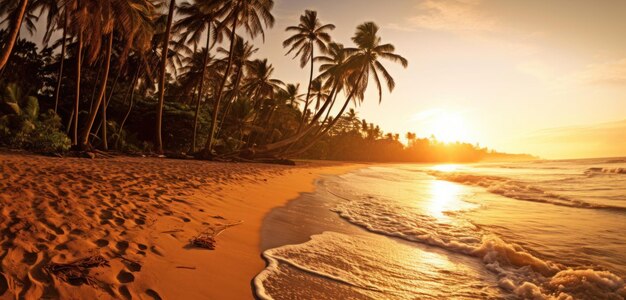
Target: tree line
(168, 76)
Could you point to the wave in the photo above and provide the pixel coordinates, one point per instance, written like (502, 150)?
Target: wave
(518, 190)
(361, 267)
(600, 171)
(519, 272)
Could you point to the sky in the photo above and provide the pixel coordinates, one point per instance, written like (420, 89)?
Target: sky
(516, 76)
(541, 77)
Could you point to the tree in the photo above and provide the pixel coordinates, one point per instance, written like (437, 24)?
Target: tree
(319, 91)
(165, 48)
(249, 14)
(126, 16)
(199, 17)
(363, 63)
(242, 61)
(16, 24)
(309, 33)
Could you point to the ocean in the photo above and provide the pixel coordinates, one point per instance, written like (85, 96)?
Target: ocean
(527, 230)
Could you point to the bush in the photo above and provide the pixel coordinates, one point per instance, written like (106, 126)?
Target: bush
(21, 125)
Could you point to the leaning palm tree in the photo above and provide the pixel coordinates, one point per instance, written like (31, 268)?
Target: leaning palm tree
(251, 15)
(15, 24)
(363, 63)
(334, 73)
(309, 34)
(319, 91)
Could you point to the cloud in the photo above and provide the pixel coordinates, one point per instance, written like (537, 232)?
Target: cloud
(607, 73)
(452, 15)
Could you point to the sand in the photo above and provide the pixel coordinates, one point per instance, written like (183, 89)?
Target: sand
(139, 215)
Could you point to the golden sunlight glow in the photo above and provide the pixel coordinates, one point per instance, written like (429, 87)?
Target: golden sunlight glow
(446, 167)
(449, 128)
(444, 197)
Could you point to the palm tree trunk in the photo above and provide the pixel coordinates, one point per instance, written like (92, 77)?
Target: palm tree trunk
(79, 61)
(286, 142)
(99, 99)
(232, 100)
(8, 48)
(308, 93)
(105, 142)
(206, 61)
(58, 89)
(331, 124)
(159, 116)
(130, 107)
(268, 123)
(290, 140)
(209, 143)
(95, 84)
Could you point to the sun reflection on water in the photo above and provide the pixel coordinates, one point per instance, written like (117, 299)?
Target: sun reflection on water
(446, 167)
(444, 196)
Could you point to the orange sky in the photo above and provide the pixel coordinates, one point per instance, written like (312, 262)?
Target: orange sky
(500, 72)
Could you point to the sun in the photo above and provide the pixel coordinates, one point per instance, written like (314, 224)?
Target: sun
(449, 127)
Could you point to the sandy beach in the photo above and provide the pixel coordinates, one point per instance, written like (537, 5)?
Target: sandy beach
(139, 215)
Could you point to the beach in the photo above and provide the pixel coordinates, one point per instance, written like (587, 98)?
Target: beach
(139, 214)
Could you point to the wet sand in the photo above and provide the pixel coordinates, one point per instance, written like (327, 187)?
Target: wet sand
(139, 215)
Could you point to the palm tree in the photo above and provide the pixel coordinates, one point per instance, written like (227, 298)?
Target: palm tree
(242, 60)
(127, 17)
(334, 74)
(248, 14)
(363, 63)
(291, 94)
(57, 91)
(163, 64)
(198, 17)
(319, 91)
(16, 24)
(259, 84)
(309, 33)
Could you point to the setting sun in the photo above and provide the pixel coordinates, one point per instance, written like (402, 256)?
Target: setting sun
(450, 128)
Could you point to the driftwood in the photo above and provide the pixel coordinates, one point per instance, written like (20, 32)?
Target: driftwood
(203, 240)
(206, 239)
(77, 272)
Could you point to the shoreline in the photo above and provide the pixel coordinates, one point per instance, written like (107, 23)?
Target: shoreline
(139, 214)
(241, 245)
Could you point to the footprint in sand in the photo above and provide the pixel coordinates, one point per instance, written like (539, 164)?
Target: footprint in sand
(153, 294)
(125, 292)
(125, 277)
(119, 221)
(133, 266)
(121, 246)
(102, 243)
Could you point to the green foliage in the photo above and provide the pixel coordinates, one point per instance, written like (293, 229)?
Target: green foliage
(22, 126)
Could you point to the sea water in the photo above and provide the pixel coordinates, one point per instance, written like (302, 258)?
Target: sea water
(532, 230)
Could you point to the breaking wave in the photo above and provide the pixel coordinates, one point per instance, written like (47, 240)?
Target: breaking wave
(519, 190)
(519, 272)
(600, 171)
